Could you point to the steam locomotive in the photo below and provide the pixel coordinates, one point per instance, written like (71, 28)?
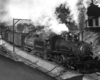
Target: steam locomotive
(64, 49)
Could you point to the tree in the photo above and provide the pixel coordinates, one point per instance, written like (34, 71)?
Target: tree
(63, 14)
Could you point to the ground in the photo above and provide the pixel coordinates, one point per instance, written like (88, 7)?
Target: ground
(11, 70)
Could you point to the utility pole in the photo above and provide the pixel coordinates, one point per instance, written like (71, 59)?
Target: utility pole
(14, 23)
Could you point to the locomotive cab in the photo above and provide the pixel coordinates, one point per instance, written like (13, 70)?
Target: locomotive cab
(53, 40)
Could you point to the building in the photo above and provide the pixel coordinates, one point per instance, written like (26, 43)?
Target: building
(93, 13)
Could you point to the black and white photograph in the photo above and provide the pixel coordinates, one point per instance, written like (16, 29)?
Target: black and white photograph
(49, 39)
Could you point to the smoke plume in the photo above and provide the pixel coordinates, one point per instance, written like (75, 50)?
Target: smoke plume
(41, 12)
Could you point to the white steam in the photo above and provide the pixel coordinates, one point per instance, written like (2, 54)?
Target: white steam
(41, 12)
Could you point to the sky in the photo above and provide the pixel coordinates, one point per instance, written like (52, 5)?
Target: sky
(41, 12)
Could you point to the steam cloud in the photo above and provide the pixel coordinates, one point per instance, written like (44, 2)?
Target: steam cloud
(41, 12)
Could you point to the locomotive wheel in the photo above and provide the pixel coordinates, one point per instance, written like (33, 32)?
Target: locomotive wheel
(46, 56)
(56, 59)
(59, 59)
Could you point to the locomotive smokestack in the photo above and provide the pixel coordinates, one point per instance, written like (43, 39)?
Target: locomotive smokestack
(81, 36)
(81, 24)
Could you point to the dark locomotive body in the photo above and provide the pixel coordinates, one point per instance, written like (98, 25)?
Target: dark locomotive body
(64, 50)
(75, 55)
